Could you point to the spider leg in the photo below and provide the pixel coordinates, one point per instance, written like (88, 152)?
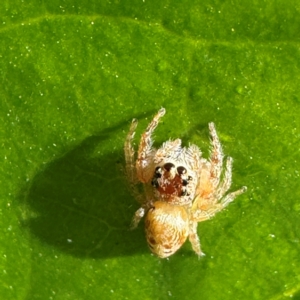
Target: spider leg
(147, 203)
(220, 202)
(130, 153)
(138, 215)
(216, 156)
(130, 163)
(210, 174)
(137, 171)
(226, 182)
(231, 196)
(146, 152)
(194, 239)
(211, 209)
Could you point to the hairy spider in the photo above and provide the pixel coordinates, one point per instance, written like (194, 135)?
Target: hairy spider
(181, 188)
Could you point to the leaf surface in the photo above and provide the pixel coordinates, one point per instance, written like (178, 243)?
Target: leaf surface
(74, 74)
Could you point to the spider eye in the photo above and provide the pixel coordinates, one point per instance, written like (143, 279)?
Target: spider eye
(181, 170)
(155, 183)
(157, 172)
(168, 166)
(184, 193)
(184, 182)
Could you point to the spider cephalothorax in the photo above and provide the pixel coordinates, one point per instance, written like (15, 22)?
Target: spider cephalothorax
(173, 183)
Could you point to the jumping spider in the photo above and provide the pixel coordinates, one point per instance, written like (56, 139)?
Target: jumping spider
(180, 187)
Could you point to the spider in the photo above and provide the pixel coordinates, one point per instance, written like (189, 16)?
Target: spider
(181, 188)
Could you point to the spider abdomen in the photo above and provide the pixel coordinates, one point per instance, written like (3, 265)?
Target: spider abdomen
(167, 228)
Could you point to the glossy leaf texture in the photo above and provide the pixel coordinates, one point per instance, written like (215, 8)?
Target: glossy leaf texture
(73, 74)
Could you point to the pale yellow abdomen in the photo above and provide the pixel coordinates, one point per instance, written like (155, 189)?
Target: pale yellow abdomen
(167, 227)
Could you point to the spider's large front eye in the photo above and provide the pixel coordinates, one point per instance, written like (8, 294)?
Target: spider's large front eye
(181, 170)
(168, 166)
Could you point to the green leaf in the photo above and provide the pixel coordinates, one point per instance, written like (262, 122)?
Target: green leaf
(74, 74)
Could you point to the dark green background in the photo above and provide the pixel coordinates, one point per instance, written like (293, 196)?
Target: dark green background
(72, 76)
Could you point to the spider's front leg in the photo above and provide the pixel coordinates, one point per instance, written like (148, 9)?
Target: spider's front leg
(130, 153)
(209, 178)
(142, 169)
(132, 176)
(211, 190)
(130, 162)
(144, 163)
